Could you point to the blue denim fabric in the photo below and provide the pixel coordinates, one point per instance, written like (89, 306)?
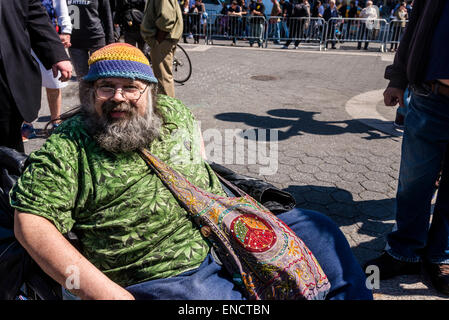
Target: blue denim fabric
(285, 28)
(407, 97)
(426, 135)
(274, 31)
(256, 33)
(211, 282)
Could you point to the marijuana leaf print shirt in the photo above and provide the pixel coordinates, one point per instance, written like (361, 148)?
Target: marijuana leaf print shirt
(129, 224)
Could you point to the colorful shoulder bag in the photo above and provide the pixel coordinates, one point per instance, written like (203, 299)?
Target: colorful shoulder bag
(257, 248)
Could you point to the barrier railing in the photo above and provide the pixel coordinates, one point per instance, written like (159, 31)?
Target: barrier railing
(235, 28)
(195, 25)
(295, 30)
(395, 33)
(356, 30)
(277, 29)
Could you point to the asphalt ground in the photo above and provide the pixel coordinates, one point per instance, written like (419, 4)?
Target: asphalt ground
(336, 150)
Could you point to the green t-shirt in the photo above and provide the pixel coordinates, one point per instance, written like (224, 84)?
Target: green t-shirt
(129, 224)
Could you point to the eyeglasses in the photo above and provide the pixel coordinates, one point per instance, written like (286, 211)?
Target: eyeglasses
(130, 93)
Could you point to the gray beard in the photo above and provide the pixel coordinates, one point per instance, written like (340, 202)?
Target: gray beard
(122, 135)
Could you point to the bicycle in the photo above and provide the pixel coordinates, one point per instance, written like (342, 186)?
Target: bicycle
(182, 65)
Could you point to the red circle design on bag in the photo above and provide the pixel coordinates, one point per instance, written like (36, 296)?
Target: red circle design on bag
(253, 233)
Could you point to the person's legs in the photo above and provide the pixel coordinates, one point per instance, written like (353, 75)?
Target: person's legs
(162, 62)
(208, 282)
(437, 250)
(10, 126)
(330, 247)
(54, 98)
(260, 31)
(426, 135)
(79, 58)
(130, 38)
(277, 32)
(318, 232)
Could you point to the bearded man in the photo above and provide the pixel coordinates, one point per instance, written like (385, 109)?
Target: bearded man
(136, 240)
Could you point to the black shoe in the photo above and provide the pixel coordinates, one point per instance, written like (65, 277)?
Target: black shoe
(439, 275)
(390, 267)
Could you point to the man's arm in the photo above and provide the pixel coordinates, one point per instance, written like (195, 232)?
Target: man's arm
(62, 12)
(43, 37)
(56, 256)
(397, 72)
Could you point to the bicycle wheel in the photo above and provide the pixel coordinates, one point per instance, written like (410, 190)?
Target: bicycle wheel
(182, 66)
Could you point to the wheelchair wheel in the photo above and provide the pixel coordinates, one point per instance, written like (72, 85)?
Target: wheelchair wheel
(182, 66)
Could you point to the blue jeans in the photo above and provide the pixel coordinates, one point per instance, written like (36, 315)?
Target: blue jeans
(275, 31)
(211, 282)
(426, 135)
(256, 33)
(403, 110)
(285, 28)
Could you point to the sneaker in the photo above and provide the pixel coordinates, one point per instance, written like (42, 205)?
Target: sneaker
(439, 275)
(28, 131)
(296, 47)
(284, 47)
(390, 267)
(399, 121)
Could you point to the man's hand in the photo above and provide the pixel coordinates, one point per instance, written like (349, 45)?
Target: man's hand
(161, 35)
(65, 39)
(393, 96)
(65, 67)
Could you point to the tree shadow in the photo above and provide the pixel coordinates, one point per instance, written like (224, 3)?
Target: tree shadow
(298, 122)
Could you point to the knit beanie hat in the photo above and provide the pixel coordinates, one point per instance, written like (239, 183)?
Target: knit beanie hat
(119, 60)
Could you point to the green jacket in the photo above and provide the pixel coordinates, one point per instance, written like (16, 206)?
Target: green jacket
(164, 15)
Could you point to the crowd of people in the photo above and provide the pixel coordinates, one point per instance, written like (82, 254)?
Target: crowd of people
(290, 20)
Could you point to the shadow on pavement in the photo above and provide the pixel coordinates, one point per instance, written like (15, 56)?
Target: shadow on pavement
(298, 122)
(365, 225)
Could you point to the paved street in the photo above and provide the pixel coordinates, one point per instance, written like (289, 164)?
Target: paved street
(337, 151)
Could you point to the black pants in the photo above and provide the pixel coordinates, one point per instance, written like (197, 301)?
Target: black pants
(296, 31)
(135, 39)
(10, 124)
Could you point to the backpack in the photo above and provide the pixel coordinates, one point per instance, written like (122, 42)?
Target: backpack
(132, 14)
(300, 10)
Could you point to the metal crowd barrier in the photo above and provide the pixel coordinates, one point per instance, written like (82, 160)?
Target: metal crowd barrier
(235, 28)
(295, 30)
(395, 32)
(283, 30)
(356, 30)
(195, 26)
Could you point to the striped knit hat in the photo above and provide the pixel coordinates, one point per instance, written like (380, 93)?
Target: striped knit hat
(119, 60)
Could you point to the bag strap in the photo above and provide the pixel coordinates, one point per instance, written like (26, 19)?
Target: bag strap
(193, 199)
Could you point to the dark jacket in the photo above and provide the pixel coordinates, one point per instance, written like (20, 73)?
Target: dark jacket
(25, 25)
(411, 60)
(330, 13)
(92, 23)
(129, 14)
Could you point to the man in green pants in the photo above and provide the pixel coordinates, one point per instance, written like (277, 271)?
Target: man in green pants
(162, 28)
